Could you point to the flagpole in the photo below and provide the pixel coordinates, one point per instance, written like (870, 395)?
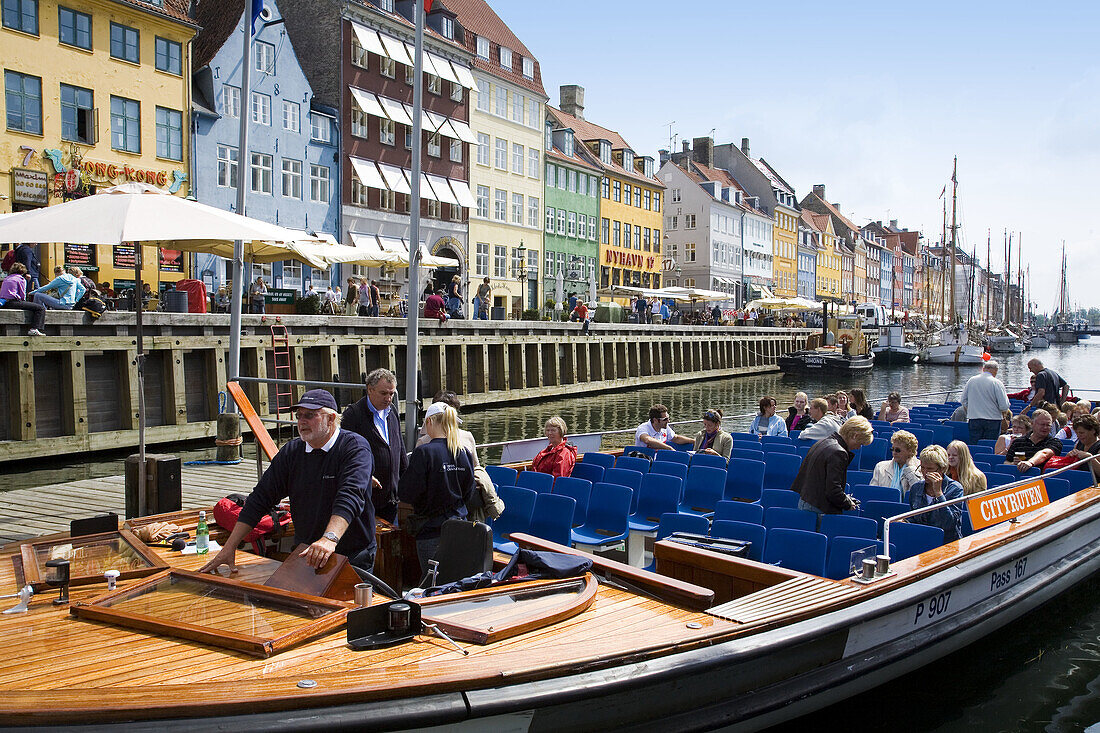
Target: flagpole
(412, 347)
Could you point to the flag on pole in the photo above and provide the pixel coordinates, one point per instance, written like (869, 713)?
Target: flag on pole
(944, 191)
(427, 6)
(257, 8)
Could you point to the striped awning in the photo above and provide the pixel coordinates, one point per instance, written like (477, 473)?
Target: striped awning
(367, 173)
(368, 39)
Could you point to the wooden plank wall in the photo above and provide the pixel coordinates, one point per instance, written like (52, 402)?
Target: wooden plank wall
(75, 390)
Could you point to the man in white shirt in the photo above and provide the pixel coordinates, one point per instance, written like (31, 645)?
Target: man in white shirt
(825, 423)
(984, 398)
(657, 432)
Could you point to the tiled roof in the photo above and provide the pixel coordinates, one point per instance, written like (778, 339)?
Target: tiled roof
(479, 20)
(773, 176)
(587, 131)
(218, 19)
(174, 9)
(835, 212)
(582, 156)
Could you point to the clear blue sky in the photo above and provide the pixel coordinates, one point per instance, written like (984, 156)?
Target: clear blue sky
(872, 99)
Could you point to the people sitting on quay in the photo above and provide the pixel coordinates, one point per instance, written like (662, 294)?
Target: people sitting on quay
(106, 290)
(657, 432)
(902, 470)
(68, 288)
(767, 422)
(860, 405)
(825, 423)
(961, 468)
(798, 414)
(559, 456)
(892, 409)
(937, 488)
(1038, 446)
(580, 313)
(434, 305)
(1087, 428)
(712, 438)
(844, 407)
(13, 295)
(822, 477)
(1020, 426)
(984, 398)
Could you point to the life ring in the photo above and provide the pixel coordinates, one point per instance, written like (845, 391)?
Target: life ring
(845, 340)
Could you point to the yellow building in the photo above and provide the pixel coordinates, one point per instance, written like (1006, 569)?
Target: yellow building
(785, 253)
(96, 93)
(829, 269)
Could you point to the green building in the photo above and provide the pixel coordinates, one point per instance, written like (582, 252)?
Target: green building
(572, 211)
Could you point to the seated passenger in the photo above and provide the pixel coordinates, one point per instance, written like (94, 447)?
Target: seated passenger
(558, 457)
(1024, 394)
(1088, 442)
(712, 438)
(834, 408)
(1064, 431)
(903, 470)
(657, 432)
(1021, 425)
(859, 404)
(798, 414)
(961, 468)
(892, 411)
(1038, 446)
(767, 422)
(844, 409)
(825, 423)
(937, 488)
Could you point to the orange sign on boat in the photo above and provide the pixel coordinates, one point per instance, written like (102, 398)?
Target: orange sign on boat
(1003, 505)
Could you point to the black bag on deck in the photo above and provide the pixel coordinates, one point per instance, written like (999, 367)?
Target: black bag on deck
(91, 304)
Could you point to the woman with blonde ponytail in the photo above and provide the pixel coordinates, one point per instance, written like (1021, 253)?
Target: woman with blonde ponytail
(439, 482)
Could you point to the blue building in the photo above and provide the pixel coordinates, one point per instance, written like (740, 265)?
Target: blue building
(807, 261)
(293, 176)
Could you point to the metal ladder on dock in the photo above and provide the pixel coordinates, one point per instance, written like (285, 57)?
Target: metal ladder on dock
(280, 348)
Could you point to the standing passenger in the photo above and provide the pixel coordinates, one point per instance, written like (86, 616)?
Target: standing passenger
(375, 418)
(824, 472)
(984, 398)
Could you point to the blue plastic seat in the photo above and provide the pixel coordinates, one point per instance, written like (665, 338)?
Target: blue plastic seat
(780, 470)
(1009, 469)
(673, 522)
(994, 479)
(866, 492)
(780, 448)
(1058, 487)
(588, 471)
(625, 477)
(659, 495)
(608, 509)
(913, 539)
(980, 450)
(803, 449)
(643, 449)
(606, 460)
(778, 497)
(775, 439)
(744, 479)
(519, 508)
(745, 438)
(869, 455)
(752, 533)
(839, 564)
(552, 519)
(749, 454)
(673, 455)
(924, 437)
(670, 468)
(540, 482)
(796, 549)
(941, 434)
(1077, 479)
(502, 475)
(641, 465)
(857, 477)
(793, 435)
(781, 516)
(878, 510)
(578, 488)
(844, 525)
(711, 461)
(703, 490)
(990, 442)
(738, 511)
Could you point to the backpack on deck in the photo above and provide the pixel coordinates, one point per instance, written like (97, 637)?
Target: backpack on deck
(91, 304)
(8, 261)
(273, 525)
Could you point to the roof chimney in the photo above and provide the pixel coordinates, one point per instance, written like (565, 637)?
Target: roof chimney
(893, 223)
(687, 146)
(663, 155)
(745, 146)
(819, 190)
(572, 100)
(703, 151)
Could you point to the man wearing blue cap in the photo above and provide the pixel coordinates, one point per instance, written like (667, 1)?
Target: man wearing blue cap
(326, 472)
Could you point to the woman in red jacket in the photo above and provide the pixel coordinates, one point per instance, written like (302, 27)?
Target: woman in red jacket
(557, 458)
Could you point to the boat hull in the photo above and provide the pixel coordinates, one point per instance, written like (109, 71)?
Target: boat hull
(1006, 347)
(895, 355)
(954, 354)
(1040, 342)
(801, 362)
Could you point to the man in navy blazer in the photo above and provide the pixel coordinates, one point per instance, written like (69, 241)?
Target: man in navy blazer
(375, 418)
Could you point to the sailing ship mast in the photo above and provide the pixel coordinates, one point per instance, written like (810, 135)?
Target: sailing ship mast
(1008, 281)
(954, 230)
(989, 271)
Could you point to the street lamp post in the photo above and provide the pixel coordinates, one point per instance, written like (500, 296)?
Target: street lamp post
(519, 271)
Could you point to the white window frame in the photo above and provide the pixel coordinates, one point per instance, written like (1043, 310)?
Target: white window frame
(551, 213)
(292, 178)
(231, 101)
(261, 109)
(319, 183)
(483, 149)
(292, 116)
(532, 211)
(456, 151)
(483, 47)
(227, 166)
(505, 57)
(517, 208)
(435, 145)
(481, 261)
(519, 102)
(500, 108)
(483, 202)
(260, 163)
(517, 158)
(500, 260)
(387, 133)
(534, 163)
(263, 57)
(571, 229)
(528, 68)
(320, 127)
(359, 123)
(500, 159)
(500, 205)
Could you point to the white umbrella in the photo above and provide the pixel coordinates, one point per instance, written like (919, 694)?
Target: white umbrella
(559, 289)
(592, 290)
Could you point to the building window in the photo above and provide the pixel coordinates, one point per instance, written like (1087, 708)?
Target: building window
(456, 151)
(433, 209)
(318, 183)
(505, 58)
(292, 116)
(551, 213)
(517, 208)
(261, 109)
(261, 173)
(573, 181)
(647, 200)
(500, 260)
(386, 132)
(533, 163)
(689, 252)
(528, 68)
(73, 127)
(359, 193)
(582, 184)
(500, 205)
(617, 238)
(292, 178)
(517, 158)
(675, 196)
(656, 200)
(519, 101)
(563, 179)
(645, 239)
(435, 148)
(231, 101)
(551, 175)
(168, 56)
(689, 221)
(501, 154)
(320, 127)
(227, 166)
(387, 67)
(481, 261)
(359, 55)
(456, 92)
(435, 85)
(263, 57)
(637, 237)
(605, 187)
(169, 134)
(73, 28)
(21, 15)
(571, 229)
(582, 226)
(124, 42)
(483, 95)
(638, 197)
(605, 227)
(483, 202)
(501, 109)
(483, 47)
(482, 148)
(617, 191)
(550, 259)
(626, 194)
(534, 115)
(532, 211)
(125, 124)
(561, 222)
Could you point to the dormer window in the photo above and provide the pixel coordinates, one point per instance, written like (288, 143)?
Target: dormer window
(505, 58)
(528, 68)
(568, 144)
(628, 160)
(448, 27)
(647, 167)
(549, 137)
(605, 152)
(483, 47)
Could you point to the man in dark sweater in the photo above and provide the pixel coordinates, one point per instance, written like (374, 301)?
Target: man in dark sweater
(823, 474)
(25, 253)
(375, 418)
(326, 473)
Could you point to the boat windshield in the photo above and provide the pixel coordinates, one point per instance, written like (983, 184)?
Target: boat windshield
(93, 558)
(501, 609)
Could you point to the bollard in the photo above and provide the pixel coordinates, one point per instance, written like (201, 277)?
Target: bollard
(229, 437)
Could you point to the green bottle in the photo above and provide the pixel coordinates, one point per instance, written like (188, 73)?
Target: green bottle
(202, 536)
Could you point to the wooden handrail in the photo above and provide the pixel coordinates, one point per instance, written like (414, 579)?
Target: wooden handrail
(263, 438)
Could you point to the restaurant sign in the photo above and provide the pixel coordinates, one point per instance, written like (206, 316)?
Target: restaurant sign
(124, 256)
(82, 256)
(171, 260)
(1001, 506)
(29, 186)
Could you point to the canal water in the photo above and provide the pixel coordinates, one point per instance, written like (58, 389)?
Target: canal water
(1040, 674)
